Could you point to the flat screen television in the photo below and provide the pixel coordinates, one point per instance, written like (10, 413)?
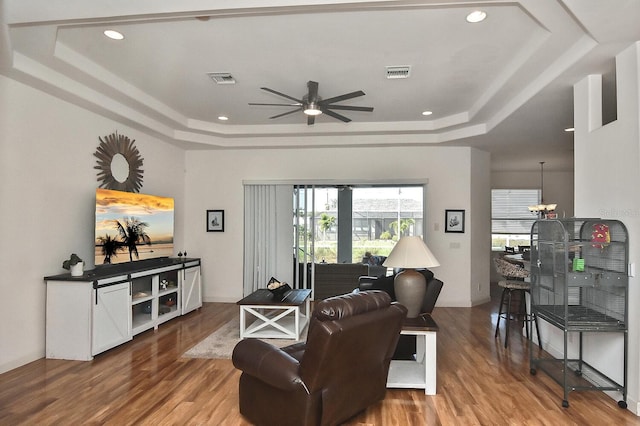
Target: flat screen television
(132, 226)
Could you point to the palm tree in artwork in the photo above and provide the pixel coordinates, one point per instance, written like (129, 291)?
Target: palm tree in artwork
(133, 233)
(110, 247)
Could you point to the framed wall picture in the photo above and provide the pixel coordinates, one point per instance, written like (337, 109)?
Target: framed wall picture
(215, 220)
(454, 221)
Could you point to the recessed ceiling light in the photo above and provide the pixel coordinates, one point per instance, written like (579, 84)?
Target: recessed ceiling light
(223, 118)
(476, 16)
(113, 34)
(427, 112)
(569, 129)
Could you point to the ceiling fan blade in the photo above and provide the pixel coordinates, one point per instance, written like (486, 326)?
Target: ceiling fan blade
(350, 108)
(336, 115)
(287, 113)
(289, 105)
(310, 120)
(281, 94)
(313, 91)
(342, 97)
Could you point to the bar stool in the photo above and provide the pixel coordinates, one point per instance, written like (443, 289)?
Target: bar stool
(514, 285)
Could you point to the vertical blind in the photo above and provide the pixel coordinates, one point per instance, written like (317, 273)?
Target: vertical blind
(267, 234)
(260, 236)
(510, 210)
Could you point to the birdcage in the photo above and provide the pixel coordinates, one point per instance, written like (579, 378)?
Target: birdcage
(579, 283)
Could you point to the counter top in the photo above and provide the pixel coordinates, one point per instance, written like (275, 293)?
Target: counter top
(108, 271)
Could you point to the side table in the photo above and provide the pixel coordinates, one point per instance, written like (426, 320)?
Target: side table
(421, 373)
(267, 316)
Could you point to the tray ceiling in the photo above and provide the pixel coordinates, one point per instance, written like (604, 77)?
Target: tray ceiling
(503, 85)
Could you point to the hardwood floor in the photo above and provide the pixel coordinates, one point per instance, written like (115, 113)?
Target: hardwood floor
(147, 382)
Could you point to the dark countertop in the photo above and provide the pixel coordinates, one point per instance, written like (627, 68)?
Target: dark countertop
(108, 271)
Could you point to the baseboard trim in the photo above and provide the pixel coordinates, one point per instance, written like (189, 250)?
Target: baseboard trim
(19, 362)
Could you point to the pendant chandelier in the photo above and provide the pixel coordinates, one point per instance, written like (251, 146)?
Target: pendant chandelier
(543, 210)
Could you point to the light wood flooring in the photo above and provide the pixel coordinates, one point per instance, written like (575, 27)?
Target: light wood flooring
(147, 382)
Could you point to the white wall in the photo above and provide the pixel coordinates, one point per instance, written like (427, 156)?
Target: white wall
(214, 181)
(607, 172)
(47, 193)
(480, 265)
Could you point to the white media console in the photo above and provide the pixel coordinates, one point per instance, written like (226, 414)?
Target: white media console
(107, 306)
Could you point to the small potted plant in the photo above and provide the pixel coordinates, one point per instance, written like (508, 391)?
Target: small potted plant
(75, 265)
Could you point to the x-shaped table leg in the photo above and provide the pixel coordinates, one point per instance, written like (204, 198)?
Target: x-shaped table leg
(268, 321)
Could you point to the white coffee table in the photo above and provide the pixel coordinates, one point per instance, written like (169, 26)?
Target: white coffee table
(266, 316)
(421, 373)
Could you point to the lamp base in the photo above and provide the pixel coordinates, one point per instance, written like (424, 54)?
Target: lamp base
(410, 287)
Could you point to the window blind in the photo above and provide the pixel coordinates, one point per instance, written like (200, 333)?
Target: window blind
(510, 210)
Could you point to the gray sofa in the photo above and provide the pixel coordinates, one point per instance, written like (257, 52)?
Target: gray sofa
(333, 279)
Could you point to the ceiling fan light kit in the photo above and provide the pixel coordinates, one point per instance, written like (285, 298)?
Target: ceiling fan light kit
(313, 105)
(312, 109)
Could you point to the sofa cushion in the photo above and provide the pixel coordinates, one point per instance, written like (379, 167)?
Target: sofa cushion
(428, 275)
(431, 297)
(385, 284)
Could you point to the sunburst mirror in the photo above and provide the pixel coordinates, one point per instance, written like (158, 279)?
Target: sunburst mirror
(119, 163)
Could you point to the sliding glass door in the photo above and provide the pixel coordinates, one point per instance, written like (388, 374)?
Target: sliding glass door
(383, 214)
(350, 224)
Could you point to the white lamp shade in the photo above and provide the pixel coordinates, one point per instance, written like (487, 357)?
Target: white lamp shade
(411, 252)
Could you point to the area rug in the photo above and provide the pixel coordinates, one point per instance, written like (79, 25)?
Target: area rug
(220, 343)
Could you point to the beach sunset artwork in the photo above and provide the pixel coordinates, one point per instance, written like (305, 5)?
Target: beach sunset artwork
(132, 226)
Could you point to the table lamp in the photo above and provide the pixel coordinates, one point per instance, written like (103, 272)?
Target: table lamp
(410, 285)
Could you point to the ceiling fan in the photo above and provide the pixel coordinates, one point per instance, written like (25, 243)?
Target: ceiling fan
(313, 105)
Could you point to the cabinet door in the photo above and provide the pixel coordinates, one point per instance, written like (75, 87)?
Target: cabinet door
(111, 317)
(191, 289)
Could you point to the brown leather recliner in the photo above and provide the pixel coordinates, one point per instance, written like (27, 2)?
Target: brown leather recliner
(340, 370)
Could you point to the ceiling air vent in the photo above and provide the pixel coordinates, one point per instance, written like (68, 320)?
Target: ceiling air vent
(399, 71)
(222, 77)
